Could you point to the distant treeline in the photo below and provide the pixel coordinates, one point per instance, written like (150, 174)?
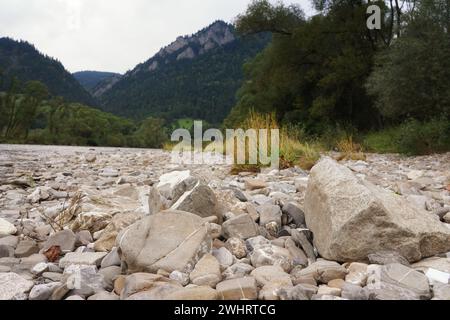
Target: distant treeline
(29, 115)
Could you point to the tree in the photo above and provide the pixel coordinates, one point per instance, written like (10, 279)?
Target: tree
(151, 133)
(314, 76)
(412, 77)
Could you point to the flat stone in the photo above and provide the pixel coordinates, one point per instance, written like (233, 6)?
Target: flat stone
(65, 239)
(145, 286)
(238, 289)
(14, 287)
(111, 259)
(110, 274)
(87, 258)
(170, 240)
(206, 272)
(6, 251)
(26, 248)
(10, 241)
(300, 292)
(397, 282)
(43, 291)
(6, 228)
(295, 212)
(242, 227)
(201, 201)
(254, 184)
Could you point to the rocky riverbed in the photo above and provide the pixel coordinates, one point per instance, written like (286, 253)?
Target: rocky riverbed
(108, 224)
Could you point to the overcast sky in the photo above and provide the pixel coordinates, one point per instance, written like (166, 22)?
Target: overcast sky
(111, 35)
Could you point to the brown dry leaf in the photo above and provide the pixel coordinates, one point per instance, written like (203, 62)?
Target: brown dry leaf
(53, 253)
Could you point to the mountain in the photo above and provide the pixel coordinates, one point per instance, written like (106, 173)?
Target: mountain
(91, 79)
(194, 77)
(20, 59)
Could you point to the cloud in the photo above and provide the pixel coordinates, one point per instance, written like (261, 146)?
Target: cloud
(110, 35)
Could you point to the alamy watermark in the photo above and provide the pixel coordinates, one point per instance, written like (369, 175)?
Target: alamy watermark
(374, 19)
(236, 146)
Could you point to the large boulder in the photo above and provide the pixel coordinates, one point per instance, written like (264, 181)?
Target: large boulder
(170, 240)
(351, 218)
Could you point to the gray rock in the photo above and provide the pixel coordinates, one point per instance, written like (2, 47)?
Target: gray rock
(206, 272)
(14, 287)
(6, 228)
(111, 259)
(294, 211)
(174, 184)
(299, 292)
(339, 208)
(238, 270)
(242, 227)
(84, 238)
(387, 257)
(6, 251)
(397, 282)
(354, 292)
(298, 256)
(441, 292)
(53, 276)
(145, 286)
(171, 240)
(43, 291)
(84, 280)
(224, 257)
(85, 258)
(109, 276)
(10, 241)
(238, 289)
(201, 201)
(26, 248)
(269, 213)
(65, 239)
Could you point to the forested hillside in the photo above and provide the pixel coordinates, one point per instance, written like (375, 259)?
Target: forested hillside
(194, 77)
(91, 79)
(21, 60)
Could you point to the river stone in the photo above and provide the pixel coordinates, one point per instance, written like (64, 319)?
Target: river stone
(43, 291)
(14, 287)
(174, 184)
(145, 286)
(206, 272)
(171, 240)
(238, 289)
(397, 282)
(201, 201)
(82, 258)
(65, 239)
(242, 227)
(6, 228)
(339, 208)
(119, 222)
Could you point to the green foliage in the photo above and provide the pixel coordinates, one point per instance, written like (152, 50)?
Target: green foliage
(314, 76)
(262, 16)
(411, 78)
(151, 133)
(412, 137)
